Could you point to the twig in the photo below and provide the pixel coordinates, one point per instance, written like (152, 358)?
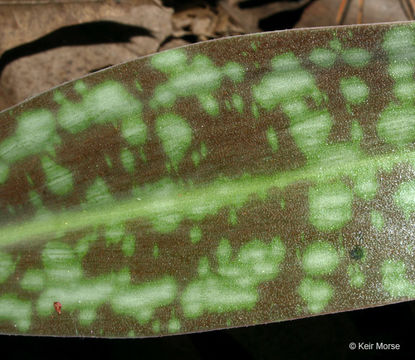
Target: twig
(406, 9)
(412, 6)
(360, 11)
(342, 11)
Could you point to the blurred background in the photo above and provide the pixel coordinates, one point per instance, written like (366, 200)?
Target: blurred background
(44, 43)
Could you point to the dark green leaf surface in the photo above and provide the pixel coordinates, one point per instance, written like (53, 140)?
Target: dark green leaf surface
(242, 181)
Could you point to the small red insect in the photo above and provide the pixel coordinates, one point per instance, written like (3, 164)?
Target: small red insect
(58, 307)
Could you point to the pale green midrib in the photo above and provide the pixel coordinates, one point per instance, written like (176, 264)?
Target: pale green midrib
(120, 211)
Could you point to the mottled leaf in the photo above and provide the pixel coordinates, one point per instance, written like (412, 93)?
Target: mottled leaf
(235, 182)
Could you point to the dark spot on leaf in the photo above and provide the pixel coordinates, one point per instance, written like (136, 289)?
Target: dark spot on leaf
(356, 253)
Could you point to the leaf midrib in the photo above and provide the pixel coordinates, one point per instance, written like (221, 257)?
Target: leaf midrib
(42, 227)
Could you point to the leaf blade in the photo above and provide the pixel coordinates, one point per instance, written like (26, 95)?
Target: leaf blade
(160, 240)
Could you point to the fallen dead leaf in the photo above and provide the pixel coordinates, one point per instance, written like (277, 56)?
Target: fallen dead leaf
(173, 43)
(247, 13)
(61, 56)
(28, 21)
(31, 75)
(204, 23)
